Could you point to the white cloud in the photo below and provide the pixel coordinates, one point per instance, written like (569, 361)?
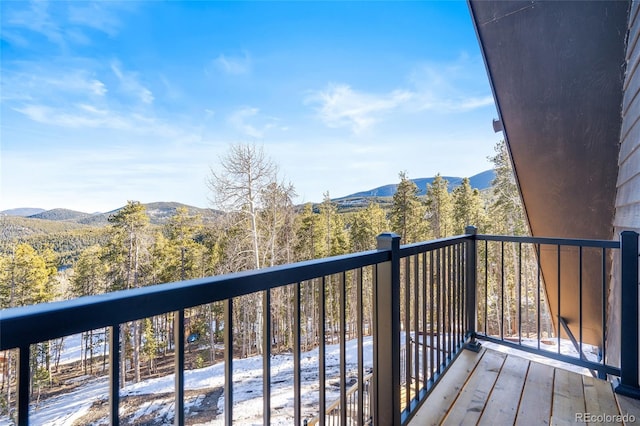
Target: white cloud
(240, 118)
(441, 88)
(341, 106)
(36, 18)
(62, 23)
(96, 15)
(130, 85)
(52, 84)
(235, 65)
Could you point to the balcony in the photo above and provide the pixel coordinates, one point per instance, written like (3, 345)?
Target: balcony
(426, 306)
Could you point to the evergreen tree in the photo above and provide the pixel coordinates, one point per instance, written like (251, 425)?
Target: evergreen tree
(366, 225)
(334, 240)
(468, 207)
(439, 208)
(407, 212)
(277, 220)
(309, 235)
(506, 208)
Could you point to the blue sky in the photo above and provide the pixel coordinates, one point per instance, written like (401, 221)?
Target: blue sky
(113, 101)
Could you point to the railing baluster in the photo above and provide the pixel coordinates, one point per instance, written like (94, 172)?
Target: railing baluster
(439, 298)
(360, 321)
(343, 349)
(114, 375)
(23, 375)
(178, 330)
(538, 295)
(581, 354)
(228, 362)
(407, 330)
(519, 293)
(322, 351)
(425, 329)
(297, 393)
(432, 324)
(559, 315)
(502, 290)
(416, 325)
(266, 357)
(486, 285)
(604, 308)
(449, 304)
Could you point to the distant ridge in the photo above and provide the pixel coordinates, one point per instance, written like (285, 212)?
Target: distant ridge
(480, 181)
(60, 214)
(22, 211)
(159, 213)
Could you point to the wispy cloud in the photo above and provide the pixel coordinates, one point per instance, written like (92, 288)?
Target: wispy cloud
(341, 106)
(234, 64)
(99, 16)
(249, 122)
(130, 84)
(62, 23)
(450, 87)
(36, 17)
(34, 82)
(442, 88)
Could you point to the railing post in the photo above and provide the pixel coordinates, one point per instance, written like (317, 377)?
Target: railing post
(471, 290)
(629, 319)
(386, 335)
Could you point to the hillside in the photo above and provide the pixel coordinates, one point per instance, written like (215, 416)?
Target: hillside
(60, 215)
(159, 213)
(23, 212)
(480, 181)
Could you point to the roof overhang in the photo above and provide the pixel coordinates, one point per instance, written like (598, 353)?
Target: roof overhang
(556, 70)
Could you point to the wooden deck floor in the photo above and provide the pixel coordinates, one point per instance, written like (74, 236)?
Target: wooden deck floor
(493, 388)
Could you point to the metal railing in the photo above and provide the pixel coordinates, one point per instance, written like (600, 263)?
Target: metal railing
(514, 287)
(423, 301)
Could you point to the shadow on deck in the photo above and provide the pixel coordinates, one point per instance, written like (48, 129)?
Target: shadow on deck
(495, 388)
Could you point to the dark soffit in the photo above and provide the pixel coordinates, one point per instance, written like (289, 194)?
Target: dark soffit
(556, 70)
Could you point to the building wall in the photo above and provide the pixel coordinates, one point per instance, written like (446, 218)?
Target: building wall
(627, 214)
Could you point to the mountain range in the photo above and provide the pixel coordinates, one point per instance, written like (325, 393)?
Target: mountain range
(160, 212)
(480, 181)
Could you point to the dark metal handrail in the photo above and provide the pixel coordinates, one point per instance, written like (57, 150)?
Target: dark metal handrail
(37, 323)
(429, 289)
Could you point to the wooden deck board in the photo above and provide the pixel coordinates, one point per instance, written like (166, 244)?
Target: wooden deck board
(535, 404)
(599, 399)
(628, 407)
(568, 398)
(477, 390)
(445, 392)
(469, 405)
(502, 406)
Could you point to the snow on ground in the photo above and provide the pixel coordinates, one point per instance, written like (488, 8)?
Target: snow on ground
(247, 388)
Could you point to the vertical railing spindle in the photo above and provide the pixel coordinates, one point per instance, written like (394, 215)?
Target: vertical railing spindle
(228, 361)
(343, 349)
(178, 333)
(322, 352)
(114, 375)
(266, 357)
(297, 394)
